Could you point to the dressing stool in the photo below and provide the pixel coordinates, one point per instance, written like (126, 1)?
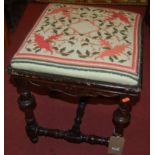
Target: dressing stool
(82, 51)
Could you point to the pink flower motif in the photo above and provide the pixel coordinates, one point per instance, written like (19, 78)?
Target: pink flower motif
(42, 43)
(118, 49)
(118, 15)
(105, 43)
(45, 43)
(66, 11)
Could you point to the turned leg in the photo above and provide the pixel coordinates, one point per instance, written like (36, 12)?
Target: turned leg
(79, 115)
(121, 116)
(27, 104)
(121, 119)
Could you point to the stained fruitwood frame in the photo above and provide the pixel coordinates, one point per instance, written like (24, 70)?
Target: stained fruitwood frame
(124, 96)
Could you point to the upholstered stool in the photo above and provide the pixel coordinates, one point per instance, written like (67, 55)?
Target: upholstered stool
(86, 52)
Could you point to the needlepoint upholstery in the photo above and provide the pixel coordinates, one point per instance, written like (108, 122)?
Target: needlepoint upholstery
(92, 43)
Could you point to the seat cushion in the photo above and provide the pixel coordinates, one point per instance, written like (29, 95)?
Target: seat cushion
(94, 43)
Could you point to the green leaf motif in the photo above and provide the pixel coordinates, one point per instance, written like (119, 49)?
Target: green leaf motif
(115, 30)
(84, 44)
(66, 33)
(55, 31)
(125, 28)
(70, 21)
(95, 53)
(87, 53)
(66, 29)
(55, 22)
(62, 49)
(71, 51)
(94, 15)
(65, 54)
(74, 18)
(52, 24)
(129, 53)
(101, 24)
(100, 20)
(124, 37)
(56, 48)
(78, 52)
(83, 56)
(58, 28)
(38, 30)
(47, 21)
(37, 50)
(71, 38)
(87, 40)
(109, 25)
(106, 48)
(42, 28)
(95, 37)
(99, 33)
(121, 61)
(71, 42)
(28, 49)
(115, 57)
(61, 18)
(111, 59)
(107, 34)
(108, 37)
(82, 14)
(128, 41)
(132, 19)
(122, 32)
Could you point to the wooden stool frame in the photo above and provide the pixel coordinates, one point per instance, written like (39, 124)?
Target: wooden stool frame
(124, 96)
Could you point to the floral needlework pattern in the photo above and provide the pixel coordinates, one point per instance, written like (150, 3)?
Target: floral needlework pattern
(85, 36)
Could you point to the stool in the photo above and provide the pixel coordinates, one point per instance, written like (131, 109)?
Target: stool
(82, 51)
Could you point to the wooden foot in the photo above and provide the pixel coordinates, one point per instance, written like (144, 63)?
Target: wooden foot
(121, 116)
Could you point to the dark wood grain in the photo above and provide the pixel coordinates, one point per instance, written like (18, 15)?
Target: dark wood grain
(27, 104)
(75, 87)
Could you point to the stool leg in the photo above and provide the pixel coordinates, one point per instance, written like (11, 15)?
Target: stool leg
(27, 104)
(79, 115)
(121, 118)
